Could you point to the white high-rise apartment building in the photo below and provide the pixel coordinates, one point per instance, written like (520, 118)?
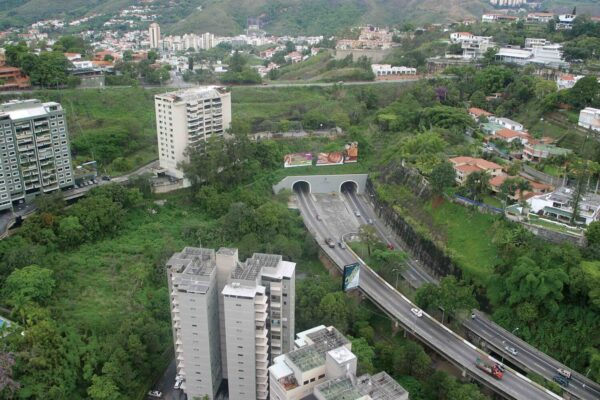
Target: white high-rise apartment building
(154, 35)
(230, 318)
(34, 150)
(188, 118)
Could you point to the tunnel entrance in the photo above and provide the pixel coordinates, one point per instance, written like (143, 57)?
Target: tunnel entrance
(301, 186)
(349, 187)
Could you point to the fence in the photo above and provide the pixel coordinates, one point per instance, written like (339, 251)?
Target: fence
(482, 206)
(542, 177)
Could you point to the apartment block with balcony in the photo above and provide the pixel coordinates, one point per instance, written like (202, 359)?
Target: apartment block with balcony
(243, 317)
(193, 292)
(188, 118)
(589, 118)
(35, 156)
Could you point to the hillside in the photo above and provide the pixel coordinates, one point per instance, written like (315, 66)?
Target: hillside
(327, 17)
(309, 17)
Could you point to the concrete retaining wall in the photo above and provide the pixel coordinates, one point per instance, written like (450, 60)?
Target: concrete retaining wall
(323, 183)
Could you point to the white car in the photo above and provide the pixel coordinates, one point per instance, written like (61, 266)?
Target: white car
(564, 372)
(178, 383)
(511, 350)
(155, 393)
(417, 312)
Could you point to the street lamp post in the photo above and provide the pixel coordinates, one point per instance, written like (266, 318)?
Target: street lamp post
(443, 313)
(397, 271)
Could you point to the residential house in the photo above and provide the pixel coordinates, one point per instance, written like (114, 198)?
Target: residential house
(73, 56)
(507, 123)
(13, 78)
(498, 18)
(536, 152)
(540, 17)
(558, 205)
(512, 136)
(589, 118)
(459, 37)
(477, 113)
(565, 21)
(567, 81)
(465, 166)
(293, 57)
(268, 54)
(537, 188)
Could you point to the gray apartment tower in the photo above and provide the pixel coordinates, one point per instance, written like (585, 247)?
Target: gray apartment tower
(230, 319)
(34, 150)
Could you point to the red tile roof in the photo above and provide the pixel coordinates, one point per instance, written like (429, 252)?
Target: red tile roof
(478, 112)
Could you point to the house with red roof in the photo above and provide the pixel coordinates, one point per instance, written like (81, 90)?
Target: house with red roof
(510, 136)
(477, 113)
(465, 166)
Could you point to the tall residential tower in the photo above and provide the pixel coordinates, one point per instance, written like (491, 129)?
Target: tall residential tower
(34, 150)
(154, 35)
(230, 319)
(188, 118)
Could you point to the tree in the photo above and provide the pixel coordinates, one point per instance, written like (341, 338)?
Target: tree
(70, 232)
(365, 354)
(368, 235)
(333, 309)
(477, 184)
(7, 384)
(442, 177)
(27, 284)
(103, 388)
(128, 55)
(478, 99)
(586, 92)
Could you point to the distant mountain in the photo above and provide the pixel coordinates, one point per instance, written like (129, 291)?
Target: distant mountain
(322, 16)
(309, 17)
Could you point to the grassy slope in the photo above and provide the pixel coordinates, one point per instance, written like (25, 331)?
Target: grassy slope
(468, 236)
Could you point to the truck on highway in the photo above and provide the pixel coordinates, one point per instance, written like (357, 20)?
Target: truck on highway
(489, 367)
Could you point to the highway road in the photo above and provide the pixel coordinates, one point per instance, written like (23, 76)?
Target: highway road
(529, 357)
(414, 273)
(437, 336)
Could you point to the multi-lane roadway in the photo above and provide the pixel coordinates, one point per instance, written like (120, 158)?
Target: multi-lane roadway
(528, 357)
(443, 340)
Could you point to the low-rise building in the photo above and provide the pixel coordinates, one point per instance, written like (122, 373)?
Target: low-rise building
(13, 78)
(540, 17)
(558, 205)
(465, 166)
(498, 18)
(507, 123)
(511, 136)
(589, 118)
(477, 113)
(322, 366)
(548, 55)
(565, 21)
(387, 69)
(567, 81)
(536, 152)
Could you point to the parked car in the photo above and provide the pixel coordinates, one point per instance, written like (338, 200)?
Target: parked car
(511, 350)
(178, 382)
(155, 393)
(417, 312)
(105, 178)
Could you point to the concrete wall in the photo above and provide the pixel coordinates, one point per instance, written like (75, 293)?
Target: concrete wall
(323, 183)
(375, 55)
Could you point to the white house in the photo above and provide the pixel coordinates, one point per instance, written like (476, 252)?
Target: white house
(459, 37)
(589, 118)
(507, 123)
(558, 205)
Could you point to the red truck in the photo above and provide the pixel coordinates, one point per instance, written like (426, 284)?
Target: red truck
(489, 367)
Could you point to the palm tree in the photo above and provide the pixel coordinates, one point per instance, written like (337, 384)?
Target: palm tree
(478, 183)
